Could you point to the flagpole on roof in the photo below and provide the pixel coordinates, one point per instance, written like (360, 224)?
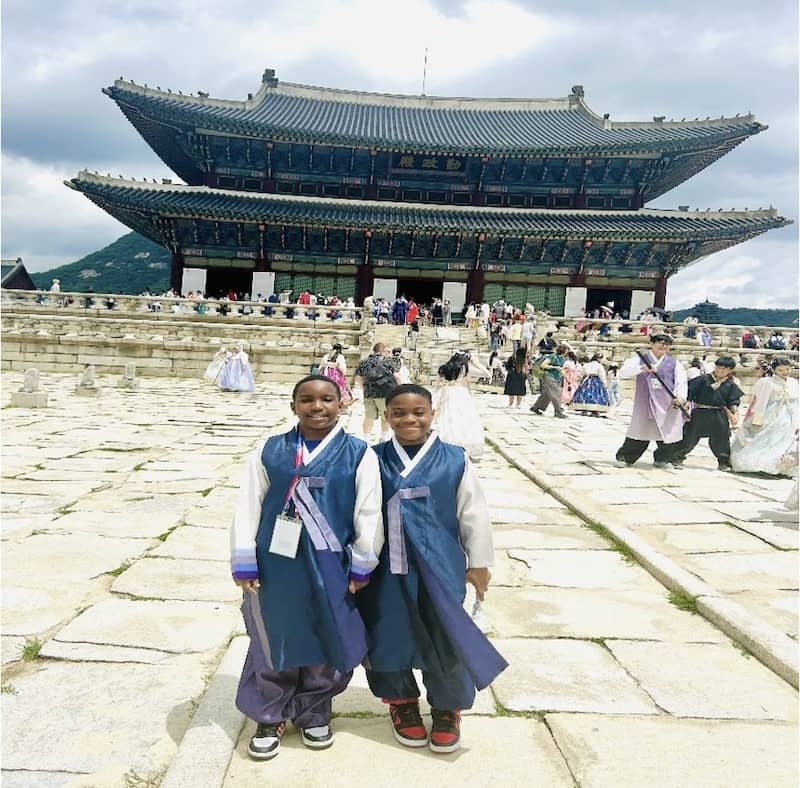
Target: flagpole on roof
(424, 70)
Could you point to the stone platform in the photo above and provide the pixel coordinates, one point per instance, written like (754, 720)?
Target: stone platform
(116, 587)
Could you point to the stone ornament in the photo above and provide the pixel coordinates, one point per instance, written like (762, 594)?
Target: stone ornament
(29, 395)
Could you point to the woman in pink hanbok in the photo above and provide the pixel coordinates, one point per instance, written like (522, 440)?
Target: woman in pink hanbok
(334, 366)
(570, 377)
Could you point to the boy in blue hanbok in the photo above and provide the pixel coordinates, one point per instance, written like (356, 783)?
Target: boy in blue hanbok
(306, 536)
(438, 539)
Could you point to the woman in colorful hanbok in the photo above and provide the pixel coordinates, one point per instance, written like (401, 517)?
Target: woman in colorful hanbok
(237, 374)
(215, 367)
(591, 396)
(334, 366)
(768, 435)
(570, 378)
(456, 418)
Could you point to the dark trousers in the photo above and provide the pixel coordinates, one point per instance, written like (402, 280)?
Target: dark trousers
(450, 691)
(632, 449)
(302, 695)
(706, 423)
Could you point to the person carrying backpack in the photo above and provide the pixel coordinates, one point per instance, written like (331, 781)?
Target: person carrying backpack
(377, 374)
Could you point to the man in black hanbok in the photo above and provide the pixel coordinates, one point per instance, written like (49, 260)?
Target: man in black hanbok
(716, 398)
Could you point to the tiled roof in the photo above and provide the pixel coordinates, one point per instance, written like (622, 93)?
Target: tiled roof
(217, 204)
(465, 125)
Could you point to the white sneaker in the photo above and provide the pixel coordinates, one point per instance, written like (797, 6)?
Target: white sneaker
(317, 738)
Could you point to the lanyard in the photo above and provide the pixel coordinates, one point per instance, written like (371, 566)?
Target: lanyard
(298, 461)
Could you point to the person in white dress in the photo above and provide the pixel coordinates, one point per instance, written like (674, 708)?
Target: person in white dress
(237, 374)
(456, 418)
(215, 367)
(767, 438)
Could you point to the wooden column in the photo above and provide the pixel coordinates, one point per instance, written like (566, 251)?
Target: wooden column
(475, 285)
(365, 278)
(176, 272)
(661, 292)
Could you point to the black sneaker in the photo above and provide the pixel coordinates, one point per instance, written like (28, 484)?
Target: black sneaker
(317, 738)
(266, 743)
(537, 411)
(724, 466)
(445, 731)
(407, 724)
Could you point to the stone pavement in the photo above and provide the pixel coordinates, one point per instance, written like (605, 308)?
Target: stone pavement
(116, 589)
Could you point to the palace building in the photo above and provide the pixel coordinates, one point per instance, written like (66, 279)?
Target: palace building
(536, 201)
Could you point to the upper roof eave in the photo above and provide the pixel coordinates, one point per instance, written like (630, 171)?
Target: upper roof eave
(574, 102)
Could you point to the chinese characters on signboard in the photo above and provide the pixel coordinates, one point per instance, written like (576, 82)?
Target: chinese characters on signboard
(419, 162)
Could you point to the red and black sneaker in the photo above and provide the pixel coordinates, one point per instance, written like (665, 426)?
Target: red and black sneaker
(445, 731)
(407, 724)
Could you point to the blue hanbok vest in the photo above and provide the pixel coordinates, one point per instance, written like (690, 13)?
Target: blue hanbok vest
(309, 616)
(413, 605)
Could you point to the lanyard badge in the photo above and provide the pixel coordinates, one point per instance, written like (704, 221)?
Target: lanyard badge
(286, 534)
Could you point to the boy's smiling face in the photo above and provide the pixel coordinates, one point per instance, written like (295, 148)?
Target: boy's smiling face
(410, 416)
(317, 405)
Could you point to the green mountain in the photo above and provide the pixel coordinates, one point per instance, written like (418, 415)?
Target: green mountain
(129, 265)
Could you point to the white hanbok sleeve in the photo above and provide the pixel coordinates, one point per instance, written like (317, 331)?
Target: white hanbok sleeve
(631, 368)
(247, 516)
(342, 364)
(761, 394)
(475, 528)
(681, 388)
(367, 518)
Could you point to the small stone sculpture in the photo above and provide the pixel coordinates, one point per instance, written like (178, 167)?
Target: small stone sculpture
(128, 380)
(87, 387)
(29, 395)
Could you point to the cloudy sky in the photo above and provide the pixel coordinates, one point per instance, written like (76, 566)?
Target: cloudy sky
(635, 60)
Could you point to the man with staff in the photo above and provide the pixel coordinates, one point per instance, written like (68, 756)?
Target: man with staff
(658, 410)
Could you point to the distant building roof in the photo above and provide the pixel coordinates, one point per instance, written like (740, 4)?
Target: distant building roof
(13, 275)
(451, 125)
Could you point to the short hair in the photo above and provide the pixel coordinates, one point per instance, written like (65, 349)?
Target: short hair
(378, 347)
(309, 378)
(409, 388)
(781, 362)
(397, 351)
(661, 338)
(725, 361)
(561, 349)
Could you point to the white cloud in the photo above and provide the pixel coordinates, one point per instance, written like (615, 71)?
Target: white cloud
(44, 222)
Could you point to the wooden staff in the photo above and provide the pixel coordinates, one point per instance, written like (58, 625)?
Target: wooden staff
(681, 406)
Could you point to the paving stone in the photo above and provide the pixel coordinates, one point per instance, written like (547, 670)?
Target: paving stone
(202, 544)
(98, 710)
(765, 511)
(649, 495)
(551, 515)
(204, 517)
(676, 540)
(177, 627)
(64, 559)
(178, 578)
(486, 742)
(135, 524)
(779, 608)
(32, 611)
(645, 514)
(730, 572)
(597, 613)
(707, 495)
(10, 647)
(776, 534)
(95, 652)
(566, 675)
(583, 569)
(549, 537)
(516, 516)
(663, 752)
(25, 779)
(702, 680)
